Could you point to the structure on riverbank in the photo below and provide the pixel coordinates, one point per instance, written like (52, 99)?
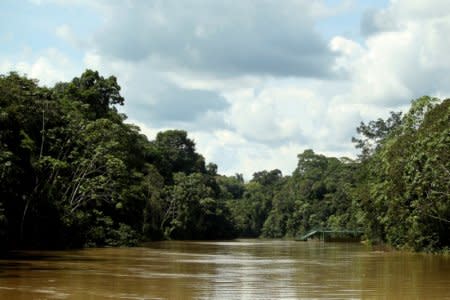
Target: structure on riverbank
(332, 234)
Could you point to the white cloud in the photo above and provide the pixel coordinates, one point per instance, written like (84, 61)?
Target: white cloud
(148, 131)
(235, 154)
(274, 114)
(65, 33)
(251, 84)
(394, 66)
(348, 52)
(49, 66)
(218, 38)
(419, 10)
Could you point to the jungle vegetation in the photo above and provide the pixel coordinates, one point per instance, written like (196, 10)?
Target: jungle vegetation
(74, 173)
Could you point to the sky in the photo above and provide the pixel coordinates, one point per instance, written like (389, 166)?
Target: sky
(254, 82)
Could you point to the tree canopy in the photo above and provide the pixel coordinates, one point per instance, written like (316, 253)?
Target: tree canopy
(73, 173)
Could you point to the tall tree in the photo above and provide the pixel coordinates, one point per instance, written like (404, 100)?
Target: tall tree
(175, 152)
(408, 201)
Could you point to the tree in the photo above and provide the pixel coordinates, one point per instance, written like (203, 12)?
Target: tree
(94, 90)
(191, 212)
(408, 201)
(174, 152)
(231, 187)
(252, 202)
(318, 195)
(373, 133)
(22, 102)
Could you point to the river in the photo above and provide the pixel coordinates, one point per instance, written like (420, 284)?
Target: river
(240, 269)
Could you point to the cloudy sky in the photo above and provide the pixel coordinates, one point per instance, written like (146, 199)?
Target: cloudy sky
(254, 82)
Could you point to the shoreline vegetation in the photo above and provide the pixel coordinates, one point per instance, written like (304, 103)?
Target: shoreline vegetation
(74, 174)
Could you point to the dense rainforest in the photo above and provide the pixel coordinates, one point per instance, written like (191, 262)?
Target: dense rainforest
(73, 173)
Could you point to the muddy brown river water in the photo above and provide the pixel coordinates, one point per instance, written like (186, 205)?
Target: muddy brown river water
(240, 269)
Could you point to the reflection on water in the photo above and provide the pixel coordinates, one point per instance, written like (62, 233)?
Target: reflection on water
(242, 269)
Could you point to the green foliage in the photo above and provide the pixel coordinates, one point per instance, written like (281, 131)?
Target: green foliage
(318, 195)
(104, 232)
(73, 174)
(250, 212)
(174, 152)
(373, 133)
(399, 190)
(408, 204)
(231, 187)
(95, 91)
(191, 212)
(89, 179)
(250, 204)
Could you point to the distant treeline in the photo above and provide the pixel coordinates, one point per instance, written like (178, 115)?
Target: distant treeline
(74, 174)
